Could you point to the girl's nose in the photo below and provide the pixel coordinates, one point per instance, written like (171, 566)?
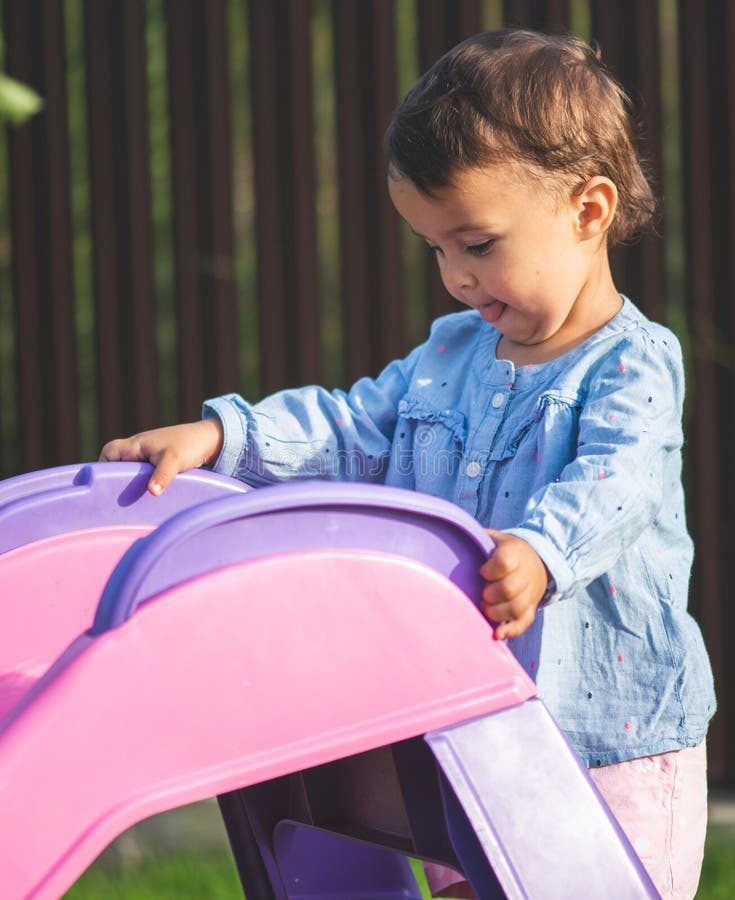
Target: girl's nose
(458, 276)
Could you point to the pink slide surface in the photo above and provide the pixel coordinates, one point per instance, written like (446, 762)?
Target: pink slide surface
(249, 672)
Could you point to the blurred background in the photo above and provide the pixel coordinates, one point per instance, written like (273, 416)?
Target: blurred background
(200, 207)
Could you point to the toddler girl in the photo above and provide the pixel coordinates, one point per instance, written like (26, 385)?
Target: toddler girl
(550, 410)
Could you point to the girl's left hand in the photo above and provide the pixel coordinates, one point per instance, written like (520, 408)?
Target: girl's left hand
(516, 581)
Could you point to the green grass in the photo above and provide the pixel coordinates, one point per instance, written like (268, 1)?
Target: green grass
(144, 864)
(718, 871)
(211, 876)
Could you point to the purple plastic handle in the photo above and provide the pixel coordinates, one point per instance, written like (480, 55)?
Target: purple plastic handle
(289, 518)
(92, 495)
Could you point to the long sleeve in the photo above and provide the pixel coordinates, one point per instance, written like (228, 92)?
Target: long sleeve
(626, 473)
(310, 432)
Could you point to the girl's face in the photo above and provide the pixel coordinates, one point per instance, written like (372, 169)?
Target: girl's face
(532, 263)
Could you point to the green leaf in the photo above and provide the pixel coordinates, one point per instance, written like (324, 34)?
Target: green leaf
(18, 102)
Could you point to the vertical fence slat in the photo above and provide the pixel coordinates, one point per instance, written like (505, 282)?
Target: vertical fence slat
(704, 466)
(40, 216)
(556, 15)
(366, 95)
(650, 281)
(110, 341)
(303, 291)
(23, 179)
(442, 24)
(139, 237)
(726, 685)
(184, 67)
(61, 284)
(539, 15)
(628, 35)
(215, 185)
(519, 14)
(352, 166)
(268, 140)
(388, 294)
(120, 191)
(285, 173)
(202, 205)
(729, 119)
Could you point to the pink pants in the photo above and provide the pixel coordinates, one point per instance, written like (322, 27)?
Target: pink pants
(661, 805)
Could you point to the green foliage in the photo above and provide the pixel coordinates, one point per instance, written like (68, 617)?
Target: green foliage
(18, 102)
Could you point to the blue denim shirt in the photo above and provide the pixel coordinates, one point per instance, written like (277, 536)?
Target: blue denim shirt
(579, 456)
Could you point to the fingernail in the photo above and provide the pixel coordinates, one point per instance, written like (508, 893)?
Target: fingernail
(155, 488)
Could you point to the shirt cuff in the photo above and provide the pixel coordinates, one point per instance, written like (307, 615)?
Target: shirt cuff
(549, 593)
(561, 577)
(234, 429)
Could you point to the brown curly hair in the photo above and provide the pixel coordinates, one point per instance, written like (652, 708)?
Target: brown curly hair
(523, 97)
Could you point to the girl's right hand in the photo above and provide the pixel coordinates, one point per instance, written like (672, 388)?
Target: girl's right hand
(517, 579)
(171, 450)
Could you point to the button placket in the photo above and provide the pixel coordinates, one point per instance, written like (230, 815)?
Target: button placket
(480, 439)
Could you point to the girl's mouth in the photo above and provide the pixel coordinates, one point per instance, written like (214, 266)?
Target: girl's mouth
(492, 311)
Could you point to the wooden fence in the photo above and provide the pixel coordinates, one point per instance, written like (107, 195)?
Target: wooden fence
(201, 207)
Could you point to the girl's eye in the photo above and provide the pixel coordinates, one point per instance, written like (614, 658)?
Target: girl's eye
(433, 251)
(481, 249)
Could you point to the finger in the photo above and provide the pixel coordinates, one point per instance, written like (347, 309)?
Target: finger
(110, 452)
(499, 611)
(506, 590)
(500, 606)
(123, 450)
(515, 628)
(501, 563)
(495, 567)
(164, 473)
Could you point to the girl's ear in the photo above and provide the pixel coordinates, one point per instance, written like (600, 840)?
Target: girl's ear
(595, 203)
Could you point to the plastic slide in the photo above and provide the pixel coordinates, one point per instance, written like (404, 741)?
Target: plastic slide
(285, 650)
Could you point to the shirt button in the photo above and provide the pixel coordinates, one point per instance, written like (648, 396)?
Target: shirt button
(474, 469)
(498, 399)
